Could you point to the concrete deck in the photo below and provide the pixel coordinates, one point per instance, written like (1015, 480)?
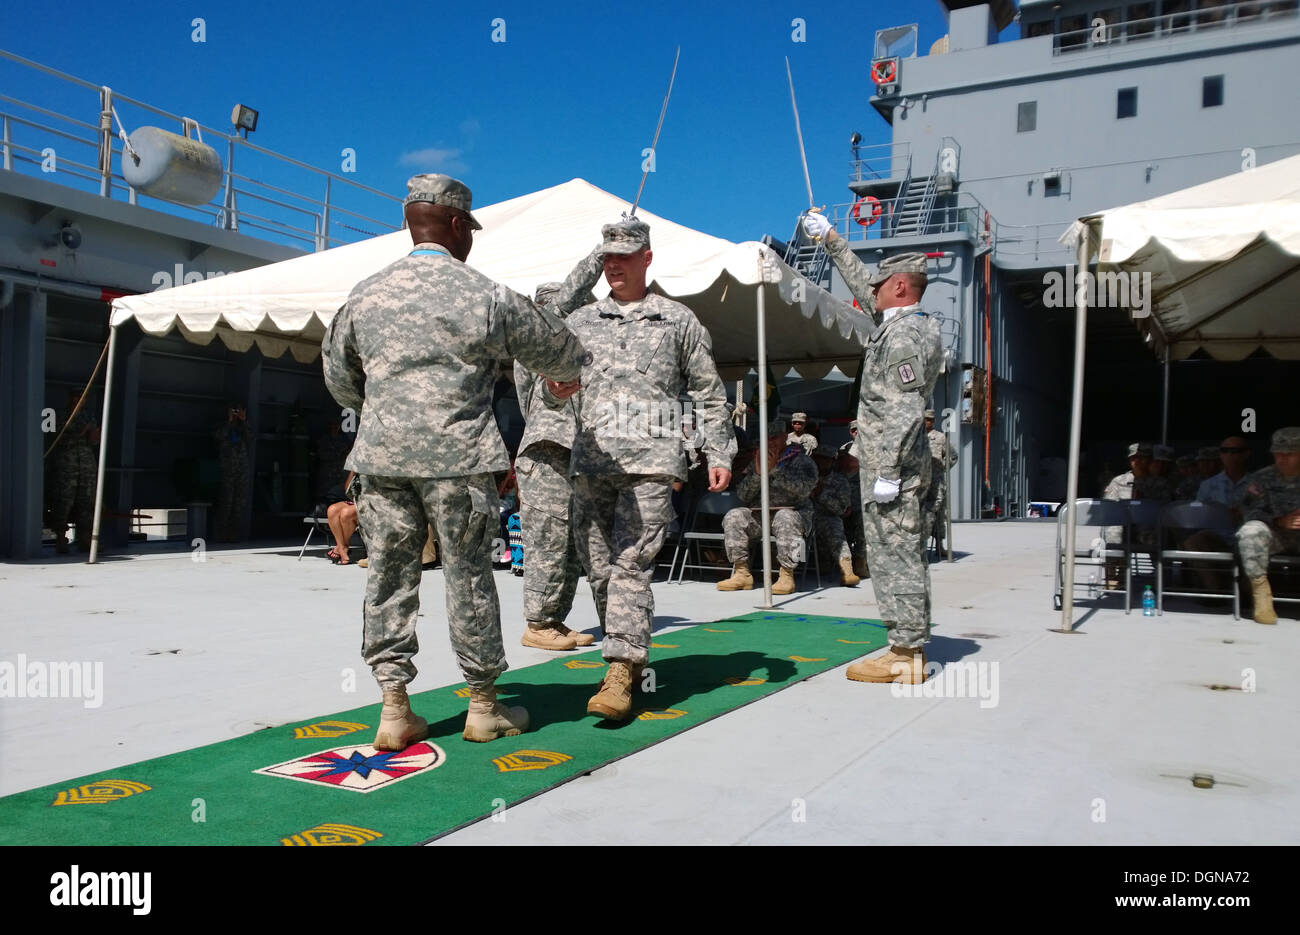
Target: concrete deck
(1093, 738)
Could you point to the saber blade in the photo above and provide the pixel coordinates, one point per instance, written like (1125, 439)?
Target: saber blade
(799, 132)
(655, 143)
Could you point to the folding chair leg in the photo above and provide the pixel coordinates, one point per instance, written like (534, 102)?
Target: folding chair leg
(1160, 588)
(310, 529)
(1128, 582)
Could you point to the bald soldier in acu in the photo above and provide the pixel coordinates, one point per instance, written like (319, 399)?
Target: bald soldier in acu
(415, 350)
(899, 370)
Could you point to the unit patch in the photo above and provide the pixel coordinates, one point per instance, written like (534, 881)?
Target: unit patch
(360, 768)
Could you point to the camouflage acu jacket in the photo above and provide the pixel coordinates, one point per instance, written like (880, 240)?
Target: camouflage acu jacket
(1266, 495)
(644, 358)
(415, 352)
(836, 497)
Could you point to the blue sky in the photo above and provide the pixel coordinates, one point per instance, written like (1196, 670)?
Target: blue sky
(573, 91)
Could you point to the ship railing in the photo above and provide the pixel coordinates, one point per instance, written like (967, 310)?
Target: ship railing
(1022, 244)
(1178, 17)
(278, 197)
(879, 161)
(950, 213)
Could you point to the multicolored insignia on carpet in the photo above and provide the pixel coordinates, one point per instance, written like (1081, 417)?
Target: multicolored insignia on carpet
(360, 768)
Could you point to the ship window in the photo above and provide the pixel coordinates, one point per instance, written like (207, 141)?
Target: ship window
(1141, 20)
(1027, 116)
(1210, 13)
(1126, 103)
(1041, 28)
(1247, 11)
(1212, 91)
(1074, 32)
(1284, 6)
(1052, 185)
(1176, 16)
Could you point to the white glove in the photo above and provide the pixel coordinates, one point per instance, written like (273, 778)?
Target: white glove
(815, 225)
(885, 489)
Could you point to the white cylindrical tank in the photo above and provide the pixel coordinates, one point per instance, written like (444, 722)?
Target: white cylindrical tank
(172, 167)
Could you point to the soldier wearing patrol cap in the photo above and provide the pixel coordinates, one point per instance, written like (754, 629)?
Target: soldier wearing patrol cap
(943, 456)
(415, 351)
(1159, 482)
(551, 566)
(1270, 505)
(647, 352)
(832, 500)
(798, 422)
(899, 370)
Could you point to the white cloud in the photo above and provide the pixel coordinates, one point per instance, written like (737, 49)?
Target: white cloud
(434, 159)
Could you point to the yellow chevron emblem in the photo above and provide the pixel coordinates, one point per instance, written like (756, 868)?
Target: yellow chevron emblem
(583, 664)
(806, 659)
(665, 714)
(331, 834)
(462, 692)
(740, 680)
(710, 630)
(664, 645)
(327, 729)
(855, 642)
(529, 759)
(101, 792)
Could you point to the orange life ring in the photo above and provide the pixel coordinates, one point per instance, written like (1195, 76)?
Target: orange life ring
(884, 71)
(875, 210)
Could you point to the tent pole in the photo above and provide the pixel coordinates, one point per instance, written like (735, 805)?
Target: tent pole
(1164, 404)
(1084, 254)
(103, 447)
(761, 330)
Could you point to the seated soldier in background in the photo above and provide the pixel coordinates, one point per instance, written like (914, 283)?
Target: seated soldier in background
(1158, 484)
(1270, 505)
(1189, 479)
(1126, 486)
(791, 479)
(847, 466)
(799, 434)
(832, 500)
(1207, 461)
(853, 438)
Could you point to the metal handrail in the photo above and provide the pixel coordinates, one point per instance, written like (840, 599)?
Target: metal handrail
(223, 210)
(860, 162)
(1169, 24)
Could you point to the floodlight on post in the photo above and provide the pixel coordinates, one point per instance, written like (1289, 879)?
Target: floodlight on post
(244, 118)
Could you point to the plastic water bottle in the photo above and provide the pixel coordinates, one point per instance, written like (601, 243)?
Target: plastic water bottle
(1092, 587)
(1148, 602)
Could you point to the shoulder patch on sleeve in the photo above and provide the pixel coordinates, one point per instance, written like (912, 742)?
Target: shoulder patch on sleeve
(907, 372)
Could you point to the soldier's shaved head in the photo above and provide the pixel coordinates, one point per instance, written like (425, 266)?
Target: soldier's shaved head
(442, 224)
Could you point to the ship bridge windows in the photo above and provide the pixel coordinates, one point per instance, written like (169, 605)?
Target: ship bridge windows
(1073, 31)
(1212, 91)
(1141, 21)
(1177, 15)
(1041, 28)
(1026, 116)
(1126, 103)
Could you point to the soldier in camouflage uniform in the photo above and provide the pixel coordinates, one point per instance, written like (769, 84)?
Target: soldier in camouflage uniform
(943, 456)
(72, 484)
(647, 352)
(790, 482)
(1270, 505)
(798, 435)
(415, 351)
(234, 440)
(899, 370)
(545, 490)
(1159, 483)
(846, 465)
(832, 500)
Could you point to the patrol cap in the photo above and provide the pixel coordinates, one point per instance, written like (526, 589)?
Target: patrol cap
(901, 263)
(799, 417)
(826, 451)
(1162, 453)
(1139, 450)
(546, 292)
(1208, 453)
(626, 236)
(852, 426)
(929, 414)
(1286, 440)
(441, 190)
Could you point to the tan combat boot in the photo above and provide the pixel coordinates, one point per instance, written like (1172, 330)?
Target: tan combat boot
(860, 567)
(785, 582)
(906, 666)
(547, 636)
(1263, 597)
(399, 727)
(614, 700)
(489, 719)
(582, 639)
(740, 580)
(847, 577)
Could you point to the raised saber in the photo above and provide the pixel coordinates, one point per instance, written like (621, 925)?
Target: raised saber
(655, 143)
(799, 132)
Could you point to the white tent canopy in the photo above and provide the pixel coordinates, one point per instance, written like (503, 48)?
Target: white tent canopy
(287, 306)
(1224, 259)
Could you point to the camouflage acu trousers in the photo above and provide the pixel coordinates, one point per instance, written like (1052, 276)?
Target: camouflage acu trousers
(72, 498)
(394, 513)
(900, 575)
(621, 523)
(232, 500)
(551, 566)
(1257, 541)
(742, 527)
(831, 541)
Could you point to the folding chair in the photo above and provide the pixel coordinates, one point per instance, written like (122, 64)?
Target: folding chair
(1099, 554)
(1200, 517)
(1143, 523)
(1288, 563)
(711, 505)
(810, 548)
(314, 522)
